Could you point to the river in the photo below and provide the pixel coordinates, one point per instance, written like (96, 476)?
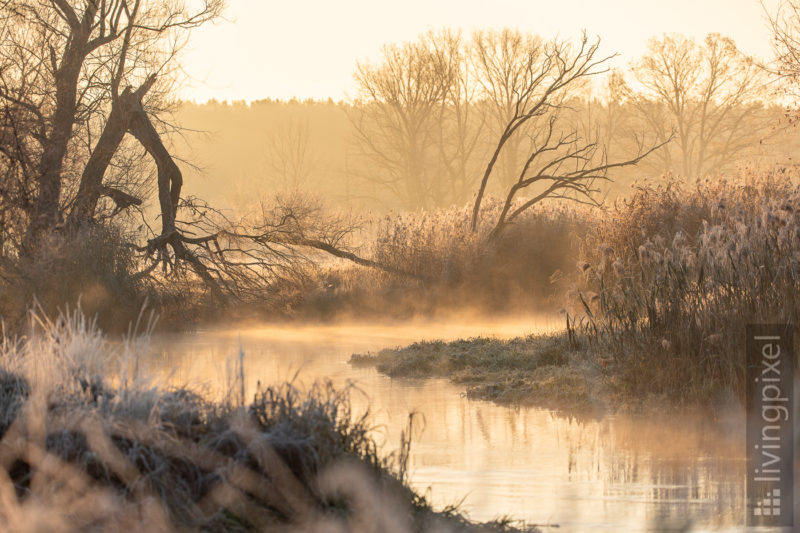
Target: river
(612, 473)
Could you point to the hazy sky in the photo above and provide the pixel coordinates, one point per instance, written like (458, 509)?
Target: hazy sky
(281, 49)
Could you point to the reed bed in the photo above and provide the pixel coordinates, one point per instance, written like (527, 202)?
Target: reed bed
(450, 269)
(670, 277)
(660, 287)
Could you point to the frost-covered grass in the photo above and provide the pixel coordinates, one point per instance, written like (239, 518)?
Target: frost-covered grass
(541, 370)
(88, 443)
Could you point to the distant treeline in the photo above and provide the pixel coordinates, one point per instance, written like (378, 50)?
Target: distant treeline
(428, 116)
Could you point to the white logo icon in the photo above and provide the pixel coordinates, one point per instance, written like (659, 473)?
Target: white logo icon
(769, 506)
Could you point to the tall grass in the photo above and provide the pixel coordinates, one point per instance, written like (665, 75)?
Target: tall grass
(667, 278)
(671, 276)
(444, 268)
(94, 267)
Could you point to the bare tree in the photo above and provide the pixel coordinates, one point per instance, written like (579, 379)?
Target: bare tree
(18, 154)
(84, 87)
(709, 94)
(564, 165)
(395, 114)
(785, 26)
(561, 163)
(606, 115)
(506, 64)
(461, 119)
(81, 72)
(290, 157)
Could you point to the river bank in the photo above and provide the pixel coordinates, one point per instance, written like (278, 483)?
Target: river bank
(599, 473)
(541, 370)
(89, 440)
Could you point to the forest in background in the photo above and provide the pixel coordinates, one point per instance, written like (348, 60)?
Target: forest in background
(392, 149)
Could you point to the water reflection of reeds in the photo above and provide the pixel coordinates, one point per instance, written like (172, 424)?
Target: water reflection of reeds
(611, 474)
(680, 470)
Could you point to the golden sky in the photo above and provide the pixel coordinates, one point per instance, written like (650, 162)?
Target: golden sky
(308, 49)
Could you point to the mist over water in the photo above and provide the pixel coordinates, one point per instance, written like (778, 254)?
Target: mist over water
(615, 473)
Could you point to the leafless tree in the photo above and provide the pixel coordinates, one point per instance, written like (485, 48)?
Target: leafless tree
(81, 72)
(606, 114)
(506, 62)
(84, 86)
(395, 114)
(461, 121)
(785, 25)
(785, 68)
(290, 156)
(708, 94)
(561, 163)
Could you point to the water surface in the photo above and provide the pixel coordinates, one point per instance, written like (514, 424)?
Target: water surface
(616, 473)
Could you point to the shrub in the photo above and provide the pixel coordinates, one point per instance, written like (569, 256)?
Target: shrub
(92, 266)
(450, 268)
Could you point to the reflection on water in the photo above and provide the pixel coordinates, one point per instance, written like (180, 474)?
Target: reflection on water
(613, 474)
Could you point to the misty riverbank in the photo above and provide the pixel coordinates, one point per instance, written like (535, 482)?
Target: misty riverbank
(93, 442)
(540, 370)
